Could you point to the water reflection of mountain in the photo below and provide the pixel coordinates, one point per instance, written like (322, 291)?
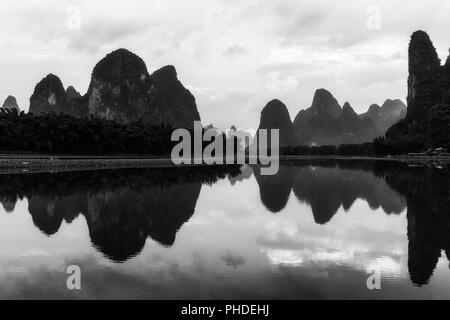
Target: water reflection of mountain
(122, 207)
(245, 174)
(125, 207)
(326, 189)
(275, 190)
(327, 185)
(427, 191)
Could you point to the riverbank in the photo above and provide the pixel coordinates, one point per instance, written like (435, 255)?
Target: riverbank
(42, 163)
(404, 158)
(36, 164)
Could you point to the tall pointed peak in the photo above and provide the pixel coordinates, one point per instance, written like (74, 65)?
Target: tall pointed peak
(10, 103)
(347, 110)
(72, 93)
(422, 51)
(175, 103)
(347, 106)
(322, 94)
(48, 96)
(424, 87)
(326, 104)
(11, 99)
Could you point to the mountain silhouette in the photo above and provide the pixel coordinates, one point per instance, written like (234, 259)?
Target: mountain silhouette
(122, 207)
(384, 117)
(246, 172)
(121, 220)
(72, 93)
(317, 124)
(353, 129)
(427, 193)
(328, 187)
(10, 103)
(326, 123)
(427, 120)
(324, 107)
(48, 96)
(48, 213)
(121, 89)
(275, 115)
(276, 189)
(173, 103)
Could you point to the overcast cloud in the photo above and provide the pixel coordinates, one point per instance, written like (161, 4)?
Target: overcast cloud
(233, 55)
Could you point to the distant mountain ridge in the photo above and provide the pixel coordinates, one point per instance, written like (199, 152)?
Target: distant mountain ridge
(324, 106)
(353, 129)
(385, 116)
(10, 103)
(327, 123)
(71, 94)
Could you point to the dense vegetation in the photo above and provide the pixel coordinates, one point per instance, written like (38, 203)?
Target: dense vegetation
(66, 135)
(62, 134)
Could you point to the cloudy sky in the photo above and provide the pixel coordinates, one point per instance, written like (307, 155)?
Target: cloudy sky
(234, 55)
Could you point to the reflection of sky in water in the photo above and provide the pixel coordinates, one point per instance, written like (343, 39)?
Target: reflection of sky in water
(232, 247)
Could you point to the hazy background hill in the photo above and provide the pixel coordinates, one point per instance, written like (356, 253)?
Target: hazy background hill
(327, 123)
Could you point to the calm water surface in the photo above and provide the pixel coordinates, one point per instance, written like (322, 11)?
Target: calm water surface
(313, 231)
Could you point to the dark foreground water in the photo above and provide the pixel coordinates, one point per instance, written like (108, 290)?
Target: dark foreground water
(314, 231)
